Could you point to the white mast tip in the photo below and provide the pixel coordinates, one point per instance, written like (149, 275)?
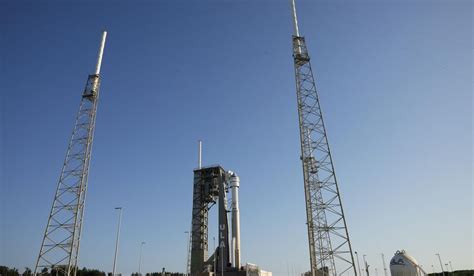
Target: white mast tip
(101, 53)
(295, 19)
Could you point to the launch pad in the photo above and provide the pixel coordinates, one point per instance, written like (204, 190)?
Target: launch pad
(211, 186)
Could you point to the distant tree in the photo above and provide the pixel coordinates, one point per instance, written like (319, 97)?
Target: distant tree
(454, 273)
(6, 271)
(89, 272)
(3, 270)
(44, 271)
(27, 272)
(161, 274)
(54, 271)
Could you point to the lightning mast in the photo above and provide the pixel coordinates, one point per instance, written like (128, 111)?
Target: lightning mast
(329, 245)
(60, 246)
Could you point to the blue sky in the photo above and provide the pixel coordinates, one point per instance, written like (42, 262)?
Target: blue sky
(395, 81)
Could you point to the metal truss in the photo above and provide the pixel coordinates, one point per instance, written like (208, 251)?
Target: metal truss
(60, 246)
(188, 258)
(329, 244)
(200, 217)
(208, 187)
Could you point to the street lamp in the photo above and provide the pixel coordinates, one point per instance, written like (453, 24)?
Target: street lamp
(384, 267)
(214, 254)
(440, 262)
(117, 240)
(140, 259)
(358, 264)
(366, 265)
(221, 256)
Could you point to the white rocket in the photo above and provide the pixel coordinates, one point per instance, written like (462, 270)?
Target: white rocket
(234, 185)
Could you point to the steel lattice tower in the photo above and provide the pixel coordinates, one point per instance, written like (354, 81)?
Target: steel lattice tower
(60, 245)
(329, 245)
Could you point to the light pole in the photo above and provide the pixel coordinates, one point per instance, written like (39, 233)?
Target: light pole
(440, 262)
(432, 267)
(117, 240)
(384, 267)
(222, 260)
(358, 264)
(451, 265)
(214, 254)
(140, 259)
(447, 269)
(366, 265)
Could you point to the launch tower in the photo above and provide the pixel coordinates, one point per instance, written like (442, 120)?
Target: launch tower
(211, 186)
(329, 245)
(60, 245)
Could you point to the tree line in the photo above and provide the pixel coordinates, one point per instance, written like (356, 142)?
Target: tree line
(6, 271)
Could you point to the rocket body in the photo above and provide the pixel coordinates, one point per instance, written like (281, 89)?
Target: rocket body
(235, 184)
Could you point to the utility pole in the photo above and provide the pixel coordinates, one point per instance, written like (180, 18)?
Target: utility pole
(117, 240)
(328, 238)
(384, 266)
(140, 259)
(61, 239)
(358, 264)
(440, 262)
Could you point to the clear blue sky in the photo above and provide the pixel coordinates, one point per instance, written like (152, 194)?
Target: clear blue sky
(395, 80)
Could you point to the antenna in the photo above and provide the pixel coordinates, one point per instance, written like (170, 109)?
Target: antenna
(297, 46)
(200, 154)
(295, 19)
(101, 52)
